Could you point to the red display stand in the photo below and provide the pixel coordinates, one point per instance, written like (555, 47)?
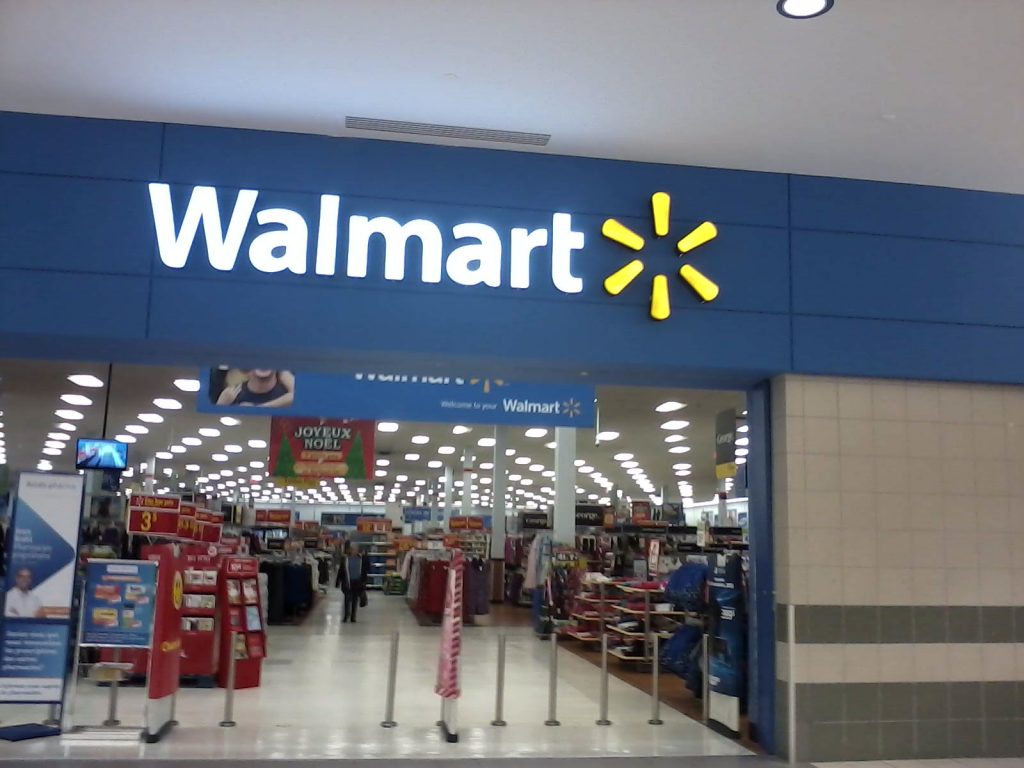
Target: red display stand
(199, 652)
(242, 612)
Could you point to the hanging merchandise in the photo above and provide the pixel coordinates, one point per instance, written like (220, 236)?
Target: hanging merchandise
(449, 660)
(727, 641)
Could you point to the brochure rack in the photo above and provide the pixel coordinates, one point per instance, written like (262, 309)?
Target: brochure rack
(201, 612)
(239, 594)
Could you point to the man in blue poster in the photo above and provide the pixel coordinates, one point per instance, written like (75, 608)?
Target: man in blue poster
(22, 602)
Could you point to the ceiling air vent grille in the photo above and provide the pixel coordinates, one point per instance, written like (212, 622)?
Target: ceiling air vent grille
(447, 131)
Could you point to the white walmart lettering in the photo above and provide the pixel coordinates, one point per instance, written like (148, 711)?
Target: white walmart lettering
(476, 258)
(529, 406)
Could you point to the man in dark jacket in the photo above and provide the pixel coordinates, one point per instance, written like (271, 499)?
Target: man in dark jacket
(353, 582)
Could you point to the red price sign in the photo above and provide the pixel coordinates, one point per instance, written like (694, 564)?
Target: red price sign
(152, 522)
(373, 525)
(188, 525)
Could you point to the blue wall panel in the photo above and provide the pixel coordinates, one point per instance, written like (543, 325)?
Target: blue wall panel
(82, 306)
(82, 225)
(871, 280)
(907, 279)
(849, 205)
(397, 170)
(905, 350)
(77, 146)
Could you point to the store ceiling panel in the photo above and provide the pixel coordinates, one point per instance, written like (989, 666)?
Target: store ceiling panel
(142, 401)
(920, 91)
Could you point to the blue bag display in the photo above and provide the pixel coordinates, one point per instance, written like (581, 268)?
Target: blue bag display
(686, 587)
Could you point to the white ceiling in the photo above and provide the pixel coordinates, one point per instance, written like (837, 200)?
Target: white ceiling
(30, 393)
(925, 91)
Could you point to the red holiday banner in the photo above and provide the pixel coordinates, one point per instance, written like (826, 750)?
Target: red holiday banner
(314, 448)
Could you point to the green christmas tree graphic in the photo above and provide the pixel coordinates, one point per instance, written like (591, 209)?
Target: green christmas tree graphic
(356, 464)
(285, 459)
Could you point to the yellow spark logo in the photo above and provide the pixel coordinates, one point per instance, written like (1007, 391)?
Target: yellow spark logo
(616, 282)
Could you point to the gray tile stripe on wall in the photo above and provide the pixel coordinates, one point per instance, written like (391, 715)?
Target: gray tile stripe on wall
(871, 721)
(854, 624)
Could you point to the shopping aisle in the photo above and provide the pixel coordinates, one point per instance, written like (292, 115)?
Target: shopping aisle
(323, 697)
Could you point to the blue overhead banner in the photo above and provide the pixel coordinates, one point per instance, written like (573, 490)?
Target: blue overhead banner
(38, 588)
(400, 397)
(416, 514)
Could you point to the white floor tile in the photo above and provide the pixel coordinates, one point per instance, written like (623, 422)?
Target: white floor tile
(322, 696)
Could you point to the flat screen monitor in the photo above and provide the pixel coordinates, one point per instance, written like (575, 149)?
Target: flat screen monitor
(101, 454)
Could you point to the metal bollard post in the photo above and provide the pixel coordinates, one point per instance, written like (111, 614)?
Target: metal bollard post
(229, 692)
(112, 701)
(603, 715)
(499, 696)
(389, 704)
(553, 682)
(655, 692)
(51, 718)
(705, 687)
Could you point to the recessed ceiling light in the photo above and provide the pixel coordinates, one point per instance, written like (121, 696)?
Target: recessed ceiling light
(165, 455)
(743, 441)
(741, 460)
(380, 473)
(630, 464)
(487, 465)
(579, 462)
(219, 457)
(742, 452)
(622, 456)
(228, 421)
(64, 413)
(585, 469)
(55, 444)
(191, 441)
(550, 445)
(85, 380)
(675, 424)
(233, 448)
(682, 466)
(74, 399)
(446, 450)
(536, 467)
(167, 403)
(151, 418)
(420, 440)
(412, 457)
(66, 427)
(58, 436)
(126, 439)
(209, 432)
(435, 464)
(607, 436)
(486, 442)
(256, 464)
(387, 426)
(670, 406)
(459, 429)
(136, 429)
(383, 462)
(675, 438)
(177, 449)
(804, 9)
(523, 460)
(191, 467)
(187, 385)
(51, 451)
(679, 449)
(536, 432)
(683, 473)
(257, 443)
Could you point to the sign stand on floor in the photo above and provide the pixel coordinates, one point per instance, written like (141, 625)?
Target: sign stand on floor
(449, 662)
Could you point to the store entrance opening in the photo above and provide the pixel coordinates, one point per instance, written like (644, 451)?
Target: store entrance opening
(631, 533)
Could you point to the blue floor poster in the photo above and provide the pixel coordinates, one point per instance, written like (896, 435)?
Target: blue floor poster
(727, 641)
(40, 578)
(119, 604)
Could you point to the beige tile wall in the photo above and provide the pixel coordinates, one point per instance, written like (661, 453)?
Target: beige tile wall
(898, 493)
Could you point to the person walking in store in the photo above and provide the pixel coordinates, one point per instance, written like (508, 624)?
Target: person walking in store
(353, 582)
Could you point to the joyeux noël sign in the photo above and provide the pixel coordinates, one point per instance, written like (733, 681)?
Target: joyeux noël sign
(284, 246)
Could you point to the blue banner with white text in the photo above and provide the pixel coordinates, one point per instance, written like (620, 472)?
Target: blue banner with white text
(398, 397)
(38, 587)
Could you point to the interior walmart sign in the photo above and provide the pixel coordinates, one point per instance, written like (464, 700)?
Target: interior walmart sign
(286, 248)
(456, 400)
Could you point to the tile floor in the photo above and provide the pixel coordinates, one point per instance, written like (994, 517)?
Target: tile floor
(978, 762)
(323, 697)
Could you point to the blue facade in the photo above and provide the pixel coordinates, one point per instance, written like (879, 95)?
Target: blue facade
(817, 275)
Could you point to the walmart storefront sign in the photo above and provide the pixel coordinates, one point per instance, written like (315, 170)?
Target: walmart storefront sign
(285, 245)
(446, 399)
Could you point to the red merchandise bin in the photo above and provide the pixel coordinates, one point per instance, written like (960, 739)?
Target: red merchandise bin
(199, 630)
(239, 594)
